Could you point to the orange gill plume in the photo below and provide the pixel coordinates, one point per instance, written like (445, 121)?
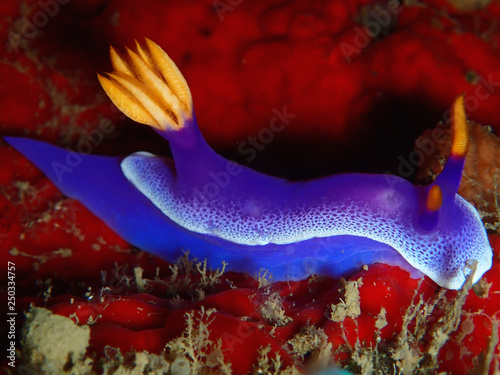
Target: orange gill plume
(147, 86)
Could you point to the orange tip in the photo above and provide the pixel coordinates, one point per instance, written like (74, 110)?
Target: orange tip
(460, 142)
(434, 198)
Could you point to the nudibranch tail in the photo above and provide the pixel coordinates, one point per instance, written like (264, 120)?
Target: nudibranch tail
(148, 87)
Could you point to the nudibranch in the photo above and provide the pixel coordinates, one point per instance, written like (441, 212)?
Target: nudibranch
(223, 211)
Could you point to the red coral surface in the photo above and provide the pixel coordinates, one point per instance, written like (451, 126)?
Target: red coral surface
(361, 94)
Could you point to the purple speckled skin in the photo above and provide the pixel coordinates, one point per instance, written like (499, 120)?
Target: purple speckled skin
(225, 212)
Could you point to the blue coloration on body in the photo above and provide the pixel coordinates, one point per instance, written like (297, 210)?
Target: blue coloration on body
(225, 212)
(100, 185)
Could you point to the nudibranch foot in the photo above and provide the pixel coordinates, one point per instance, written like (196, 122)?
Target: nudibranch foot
(226, 212)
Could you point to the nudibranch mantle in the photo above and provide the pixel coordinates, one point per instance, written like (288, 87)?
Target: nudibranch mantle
(295, 212)
(330, 225)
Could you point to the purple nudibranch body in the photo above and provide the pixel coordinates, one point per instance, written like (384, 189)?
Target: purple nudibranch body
(227, 212)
